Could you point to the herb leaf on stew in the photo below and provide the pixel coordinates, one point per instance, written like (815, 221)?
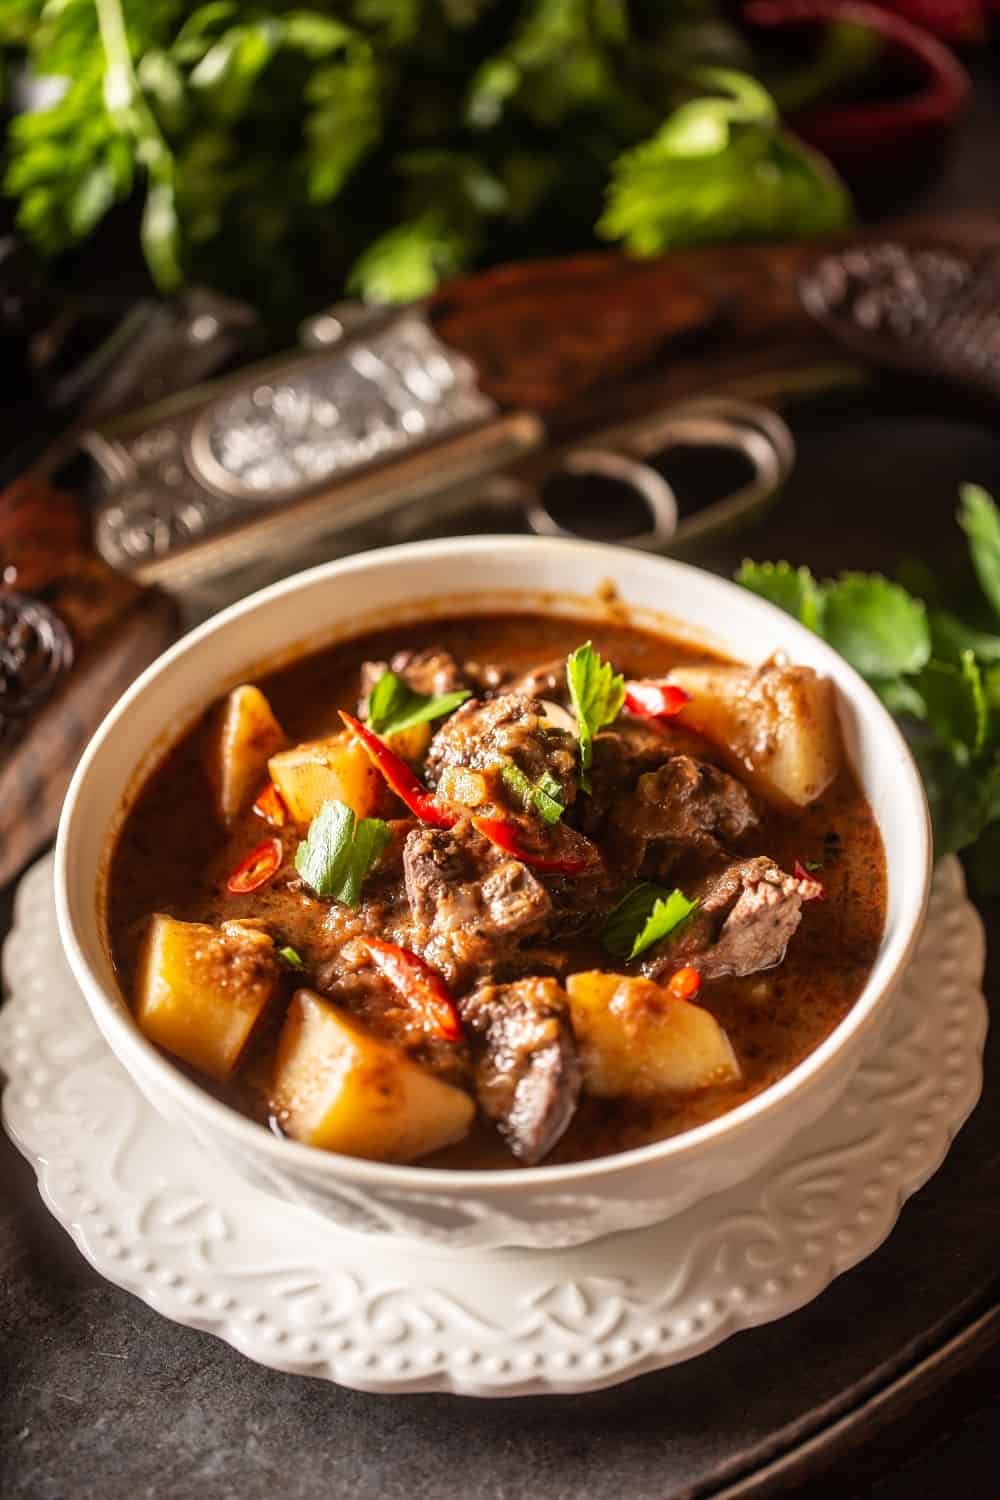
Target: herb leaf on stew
(597, 693)
(394, 706)
(645, 915)
(338, 851)
(544, 795)
(291, 957)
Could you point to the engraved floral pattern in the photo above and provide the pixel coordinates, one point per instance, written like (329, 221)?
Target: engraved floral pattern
(171, 1223)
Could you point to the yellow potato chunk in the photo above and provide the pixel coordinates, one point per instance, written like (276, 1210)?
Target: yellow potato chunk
(200, 990)
(338, 1087)
(635, 1039)
(243, 734)
(411, 744)
(777, 723)
(312, 773)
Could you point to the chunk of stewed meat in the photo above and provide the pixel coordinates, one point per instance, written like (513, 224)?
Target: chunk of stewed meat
(484, 736)
(686, 806)
(432, 671)
(746, 917)
(623, 753)
(471, 904)
(527, 1075)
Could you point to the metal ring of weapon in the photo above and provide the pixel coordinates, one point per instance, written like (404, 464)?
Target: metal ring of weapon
(652, 489)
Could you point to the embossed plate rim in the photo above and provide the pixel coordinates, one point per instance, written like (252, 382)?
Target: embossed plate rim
(573, 1320)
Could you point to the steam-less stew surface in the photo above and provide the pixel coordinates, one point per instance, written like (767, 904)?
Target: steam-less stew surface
(536, 900)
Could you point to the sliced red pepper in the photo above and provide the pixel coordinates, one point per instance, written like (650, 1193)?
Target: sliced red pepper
(408, 787)
(270, 806)
(505, 836)
(685, 984)
(815, 891)
(257, 869)
(420, 985)
(654, 700)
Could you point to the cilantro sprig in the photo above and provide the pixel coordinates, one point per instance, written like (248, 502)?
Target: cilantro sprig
(597, 693)
(936, 672)
(338, 851)
(644, 916)
(544, 795)
(394, 706)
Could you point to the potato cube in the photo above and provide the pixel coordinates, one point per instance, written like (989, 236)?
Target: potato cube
(338, 1087)
(635, 1039)
(312, 773)
(200, 990)
(243, 734)
(777, 723)
(411, 744)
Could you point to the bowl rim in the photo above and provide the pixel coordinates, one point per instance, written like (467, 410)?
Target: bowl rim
(125, 1038)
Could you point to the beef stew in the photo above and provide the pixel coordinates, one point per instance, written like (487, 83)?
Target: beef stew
(474, 894)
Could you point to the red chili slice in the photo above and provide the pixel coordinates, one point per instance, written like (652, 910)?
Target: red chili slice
(420, 985)
(815, 891)
(685, 984)
(504, 834)
(655, 700)
(270, 806)
(257, 869)
(408, 787)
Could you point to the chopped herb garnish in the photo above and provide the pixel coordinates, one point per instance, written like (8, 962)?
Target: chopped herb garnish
(338, 851)
(645, 915)
(290, 957)
(812, 864)
(394, 706)
(544, 795)
(597, 693)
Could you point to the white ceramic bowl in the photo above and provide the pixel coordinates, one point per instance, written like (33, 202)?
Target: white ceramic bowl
(546, 1206)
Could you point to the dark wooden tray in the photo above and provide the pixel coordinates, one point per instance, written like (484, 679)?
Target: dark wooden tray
(99, 1394)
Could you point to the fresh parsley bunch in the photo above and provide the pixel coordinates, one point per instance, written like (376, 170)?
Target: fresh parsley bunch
(385, 144)
(938, 674)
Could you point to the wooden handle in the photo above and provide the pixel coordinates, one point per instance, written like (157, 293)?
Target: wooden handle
(73, 635)
(545, 334)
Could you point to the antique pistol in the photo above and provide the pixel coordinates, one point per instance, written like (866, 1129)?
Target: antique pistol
(557, 396)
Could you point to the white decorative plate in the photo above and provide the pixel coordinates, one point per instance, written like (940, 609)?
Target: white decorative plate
(204, 1248)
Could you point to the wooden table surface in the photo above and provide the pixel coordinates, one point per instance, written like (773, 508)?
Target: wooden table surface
(886, 1386)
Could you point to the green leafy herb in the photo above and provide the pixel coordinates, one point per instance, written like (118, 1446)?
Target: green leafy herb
(722, 159)
(338, 851)
(544, 795)
(597, 693)
(980, 520)
(394, 706)
(794, 590)
(409, 139)
(291, 957)
(876, 625)
(936, 672)
(645, 915)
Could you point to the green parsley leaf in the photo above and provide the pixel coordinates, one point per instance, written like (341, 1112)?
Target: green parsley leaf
(645, 915)
(950, 637)
(394, 706)
(338, 851)
(291, 957)
(955, 700)
(962, 800)
(901, 696)
(794, 590)
(980, 520)
(544, 795)
(597, 693)
(880, 629)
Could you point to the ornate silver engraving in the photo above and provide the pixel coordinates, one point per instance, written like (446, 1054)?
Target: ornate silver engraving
(321, 418)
